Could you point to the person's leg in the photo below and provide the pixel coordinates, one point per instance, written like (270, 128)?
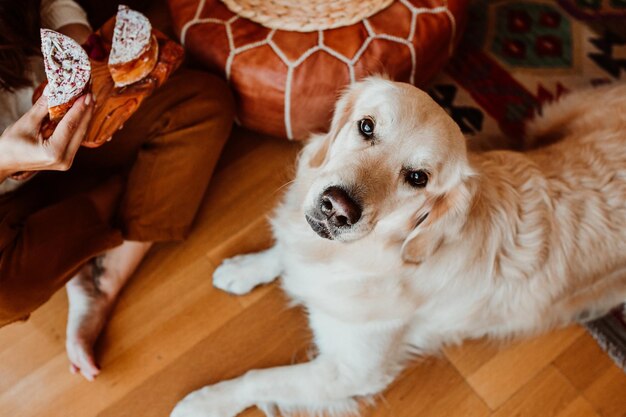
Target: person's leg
(173, 169)
(45, 238)
(92, 294)
(173, 143)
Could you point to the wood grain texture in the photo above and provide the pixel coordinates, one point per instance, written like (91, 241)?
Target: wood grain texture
(547, 393)
(509, 369)
(172, 332)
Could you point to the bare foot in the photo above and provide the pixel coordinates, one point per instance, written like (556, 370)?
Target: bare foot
(92, 294)
(88, 311)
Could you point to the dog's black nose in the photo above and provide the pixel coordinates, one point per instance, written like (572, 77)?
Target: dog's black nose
(339, 208)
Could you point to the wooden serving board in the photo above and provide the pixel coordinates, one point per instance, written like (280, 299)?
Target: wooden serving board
(115, 105)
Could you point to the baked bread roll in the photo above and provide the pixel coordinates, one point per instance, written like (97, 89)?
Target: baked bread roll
(134, 50)
(68, 71)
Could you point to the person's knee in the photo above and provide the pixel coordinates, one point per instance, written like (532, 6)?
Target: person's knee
(213, 95)
(206, 117)
(198, 117)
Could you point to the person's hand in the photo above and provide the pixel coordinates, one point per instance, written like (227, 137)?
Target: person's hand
(22, 147)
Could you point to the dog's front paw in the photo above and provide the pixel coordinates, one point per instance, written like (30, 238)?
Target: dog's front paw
(209, 401)
(239, 275)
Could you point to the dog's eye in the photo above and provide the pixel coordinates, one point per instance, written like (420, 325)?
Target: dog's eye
(366, 127)
(417, 179)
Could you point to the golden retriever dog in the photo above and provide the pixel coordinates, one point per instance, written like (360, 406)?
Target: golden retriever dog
(397, 241)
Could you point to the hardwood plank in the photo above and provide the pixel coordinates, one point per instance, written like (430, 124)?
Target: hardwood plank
(607, 393)
(580, 407)
(431, 388)
(472, 354)
(547, 394)
(594, 374)
(26, 346)
(513, 367)
(583, 362)
(265, 334)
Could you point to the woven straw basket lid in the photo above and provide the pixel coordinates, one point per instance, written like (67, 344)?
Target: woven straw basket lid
(306, 15)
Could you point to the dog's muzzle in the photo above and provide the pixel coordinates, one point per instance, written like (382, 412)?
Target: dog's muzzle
(336, 211)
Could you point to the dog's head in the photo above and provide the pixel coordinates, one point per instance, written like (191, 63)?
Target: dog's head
(393, 163)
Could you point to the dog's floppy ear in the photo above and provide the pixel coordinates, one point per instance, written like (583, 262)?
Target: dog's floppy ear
(441, 218)
(343, 110)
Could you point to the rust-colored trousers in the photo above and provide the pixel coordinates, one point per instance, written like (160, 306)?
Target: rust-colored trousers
(146, 185)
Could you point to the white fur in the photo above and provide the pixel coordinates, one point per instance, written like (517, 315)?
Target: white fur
(514, 244)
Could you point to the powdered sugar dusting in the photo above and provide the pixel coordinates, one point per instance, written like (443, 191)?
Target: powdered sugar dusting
(131, 36)
(67, 67)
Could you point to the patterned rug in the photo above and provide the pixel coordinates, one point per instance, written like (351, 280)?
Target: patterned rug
(518, 54)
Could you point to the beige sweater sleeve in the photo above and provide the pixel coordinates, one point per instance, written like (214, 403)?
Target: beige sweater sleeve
(58, 13)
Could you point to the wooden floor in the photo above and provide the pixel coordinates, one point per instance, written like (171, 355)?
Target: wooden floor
(172, 332)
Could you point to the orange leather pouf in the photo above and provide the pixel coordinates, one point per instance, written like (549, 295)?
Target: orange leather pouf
(288, 60)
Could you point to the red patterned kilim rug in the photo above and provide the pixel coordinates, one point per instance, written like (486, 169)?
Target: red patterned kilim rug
(518, 54)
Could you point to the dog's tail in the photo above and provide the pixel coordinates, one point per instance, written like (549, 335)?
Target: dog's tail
(581, 112)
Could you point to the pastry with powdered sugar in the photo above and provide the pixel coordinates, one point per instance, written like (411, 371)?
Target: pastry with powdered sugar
(135, 49)
(68, 71)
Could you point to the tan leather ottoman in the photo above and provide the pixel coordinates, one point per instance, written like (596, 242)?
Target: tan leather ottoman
(288, 60)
